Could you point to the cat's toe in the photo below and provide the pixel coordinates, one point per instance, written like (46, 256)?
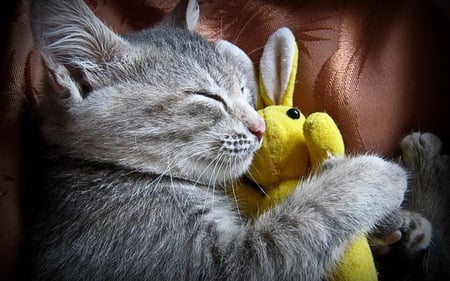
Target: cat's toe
(423, 146)
(416, 236)
(382, 245)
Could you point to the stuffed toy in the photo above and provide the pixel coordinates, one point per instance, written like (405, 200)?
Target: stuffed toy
(294, 145)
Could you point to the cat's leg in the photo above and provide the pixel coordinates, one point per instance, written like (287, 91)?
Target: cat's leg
(304, 237)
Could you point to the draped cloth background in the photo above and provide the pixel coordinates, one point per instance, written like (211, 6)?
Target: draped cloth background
(379, 68)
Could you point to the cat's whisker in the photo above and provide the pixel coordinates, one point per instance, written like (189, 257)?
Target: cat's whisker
(244, 27)
(233, 190)
(157, 180)
(214, 174)
(260, 188)
(179, 161)
(205, 169)
(218, 171)
(221, 27)
(174, 191)
(209, 185)
(255, 50)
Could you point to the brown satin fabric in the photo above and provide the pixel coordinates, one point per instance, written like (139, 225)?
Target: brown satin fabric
(380, 68)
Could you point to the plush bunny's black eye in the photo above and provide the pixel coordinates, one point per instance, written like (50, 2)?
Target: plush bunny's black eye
(293, 113)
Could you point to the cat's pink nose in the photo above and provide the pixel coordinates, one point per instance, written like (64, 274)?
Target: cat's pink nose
(257, 127)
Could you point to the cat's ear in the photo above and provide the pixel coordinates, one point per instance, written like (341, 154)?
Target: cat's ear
(184, 15)
(243, 63)
(74, 44)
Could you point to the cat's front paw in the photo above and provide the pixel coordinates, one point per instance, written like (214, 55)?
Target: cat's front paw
(404, 232)
(391, 177)
(381, 182)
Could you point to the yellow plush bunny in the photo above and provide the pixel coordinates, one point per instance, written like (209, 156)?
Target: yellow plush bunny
(293, 146)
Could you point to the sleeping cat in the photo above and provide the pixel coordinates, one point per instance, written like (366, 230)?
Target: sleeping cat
(143, 133)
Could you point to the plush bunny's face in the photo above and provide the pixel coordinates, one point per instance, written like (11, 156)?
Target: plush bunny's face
(283, 154)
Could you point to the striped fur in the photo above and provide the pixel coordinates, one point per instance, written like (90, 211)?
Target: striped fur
(144, 132)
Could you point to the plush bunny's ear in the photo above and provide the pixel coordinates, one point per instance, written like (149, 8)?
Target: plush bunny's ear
(240, 59)
(278, 68)
(184, 15)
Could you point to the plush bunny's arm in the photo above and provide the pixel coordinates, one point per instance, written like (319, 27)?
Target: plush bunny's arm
(322, 137)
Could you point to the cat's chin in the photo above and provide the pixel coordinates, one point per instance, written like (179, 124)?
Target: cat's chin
(221, 172)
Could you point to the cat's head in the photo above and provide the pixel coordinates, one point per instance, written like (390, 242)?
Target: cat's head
(162, 100)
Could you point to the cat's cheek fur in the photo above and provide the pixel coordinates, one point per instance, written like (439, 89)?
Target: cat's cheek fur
(227, 158)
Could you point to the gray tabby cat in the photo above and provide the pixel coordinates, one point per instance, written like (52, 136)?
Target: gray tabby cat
(145, 132)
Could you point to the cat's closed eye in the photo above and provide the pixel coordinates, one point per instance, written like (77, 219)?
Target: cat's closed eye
(210, 96)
